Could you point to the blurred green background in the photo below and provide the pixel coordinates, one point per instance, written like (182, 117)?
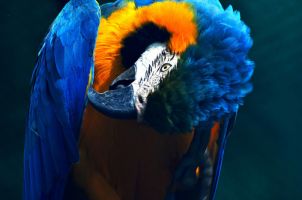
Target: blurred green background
(263, 157)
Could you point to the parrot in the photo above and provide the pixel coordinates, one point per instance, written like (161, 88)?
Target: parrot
(135, 100)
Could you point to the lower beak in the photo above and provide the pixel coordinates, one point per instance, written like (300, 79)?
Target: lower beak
(119, 100)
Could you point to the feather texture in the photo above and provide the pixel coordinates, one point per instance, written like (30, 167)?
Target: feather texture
(127, 20)
(210, 83)
(109, 8)
(222, 69)
(57, 101)
(212, 77)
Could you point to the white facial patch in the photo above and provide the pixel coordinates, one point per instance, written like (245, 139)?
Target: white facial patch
(151, 68)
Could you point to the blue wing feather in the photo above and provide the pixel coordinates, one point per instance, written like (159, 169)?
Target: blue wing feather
(225, 130)
(140, 3)
(57, 101)
(108, 8)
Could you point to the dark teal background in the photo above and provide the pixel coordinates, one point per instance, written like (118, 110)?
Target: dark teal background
(263, 157)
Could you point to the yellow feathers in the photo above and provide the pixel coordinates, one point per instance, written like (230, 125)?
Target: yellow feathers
(176, 17)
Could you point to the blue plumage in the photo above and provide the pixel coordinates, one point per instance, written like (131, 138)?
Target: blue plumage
(108, 8)
(212, 77)
(140, 3)
(219, 61)
(222, 70)
(58, 99)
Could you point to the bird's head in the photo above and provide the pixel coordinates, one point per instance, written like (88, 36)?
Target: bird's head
(171, 64)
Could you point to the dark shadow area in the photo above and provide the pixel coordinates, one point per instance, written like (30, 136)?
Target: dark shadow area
(262, 159)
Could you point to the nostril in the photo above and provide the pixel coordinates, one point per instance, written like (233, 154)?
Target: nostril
(140, 99)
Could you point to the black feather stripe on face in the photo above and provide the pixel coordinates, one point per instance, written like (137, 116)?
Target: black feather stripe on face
(137, 42)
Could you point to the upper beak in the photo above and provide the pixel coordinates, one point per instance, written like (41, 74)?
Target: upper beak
(119, 100)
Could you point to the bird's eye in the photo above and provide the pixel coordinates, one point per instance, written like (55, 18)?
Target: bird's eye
(165, 67)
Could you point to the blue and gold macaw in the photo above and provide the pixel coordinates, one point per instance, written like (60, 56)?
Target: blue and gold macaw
(135, 100)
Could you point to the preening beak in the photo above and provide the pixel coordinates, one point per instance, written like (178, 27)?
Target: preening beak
(118, 101)
(127, 95)
(114, 103)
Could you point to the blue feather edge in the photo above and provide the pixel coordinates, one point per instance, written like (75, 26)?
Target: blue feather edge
(57, 100)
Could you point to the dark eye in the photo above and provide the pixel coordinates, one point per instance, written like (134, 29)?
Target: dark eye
(165, 67)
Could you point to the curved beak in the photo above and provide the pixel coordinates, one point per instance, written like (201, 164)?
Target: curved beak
(119, 100)
(127, 95)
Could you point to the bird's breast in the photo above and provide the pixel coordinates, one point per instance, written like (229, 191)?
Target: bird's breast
(126, 160)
